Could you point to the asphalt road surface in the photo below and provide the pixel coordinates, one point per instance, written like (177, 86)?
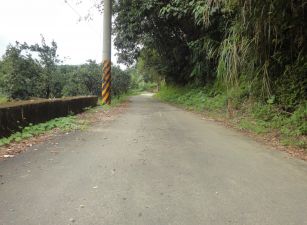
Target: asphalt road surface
(154, 165)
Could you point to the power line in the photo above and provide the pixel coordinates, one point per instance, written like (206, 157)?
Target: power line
(80, 18)
(73, 9)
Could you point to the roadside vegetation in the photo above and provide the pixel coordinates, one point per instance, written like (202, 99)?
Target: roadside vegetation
(244, 59)
(65, 124)
(3, 99)
(36, 71)
(256, 117)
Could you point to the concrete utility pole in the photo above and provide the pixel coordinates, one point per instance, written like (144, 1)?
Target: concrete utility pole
(106, 52)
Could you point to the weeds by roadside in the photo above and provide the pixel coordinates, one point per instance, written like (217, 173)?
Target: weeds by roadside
(115, 101)
(21, 141)
(259, 118)
(64, 123)
(3, 99)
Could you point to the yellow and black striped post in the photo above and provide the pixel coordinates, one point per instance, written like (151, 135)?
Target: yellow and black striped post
(106, 52)
(106, 84)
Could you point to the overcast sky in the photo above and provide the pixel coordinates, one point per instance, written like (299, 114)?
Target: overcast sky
(25, 20)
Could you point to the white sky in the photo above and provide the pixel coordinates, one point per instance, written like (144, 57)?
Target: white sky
(25, 20)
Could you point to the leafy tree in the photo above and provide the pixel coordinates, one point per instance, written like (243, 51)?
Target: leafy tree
(150, 67)
(255, 47)
(24, 76)
(120, 81)
(48, 59)
(145, 27)
(91, 73)
(86, 79)
(82, 80)
(19, 73)
(74, 85)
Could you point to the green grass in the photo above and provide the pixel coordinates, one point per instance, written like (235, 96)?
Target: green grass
(3, 99)
(258, 127)
(116, 100)
(193, 99)
(259, 118)
(64, 123)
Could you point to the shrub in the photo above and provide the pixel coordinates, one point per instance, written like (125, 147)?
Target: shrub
(120, 81)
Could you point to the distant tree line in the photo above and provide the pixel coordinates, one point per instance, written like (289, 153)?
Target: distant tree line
(29, 71)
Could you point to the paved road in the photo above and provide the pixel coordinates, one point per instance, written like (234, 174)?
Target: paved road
(154, 165)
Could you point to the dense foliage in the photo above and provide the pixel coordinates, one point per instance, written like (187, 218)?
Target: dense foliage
(28, 71)
(248, 49)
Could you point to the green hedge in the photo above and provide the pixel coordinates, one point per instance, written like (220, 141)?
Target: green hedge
(15, 116)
